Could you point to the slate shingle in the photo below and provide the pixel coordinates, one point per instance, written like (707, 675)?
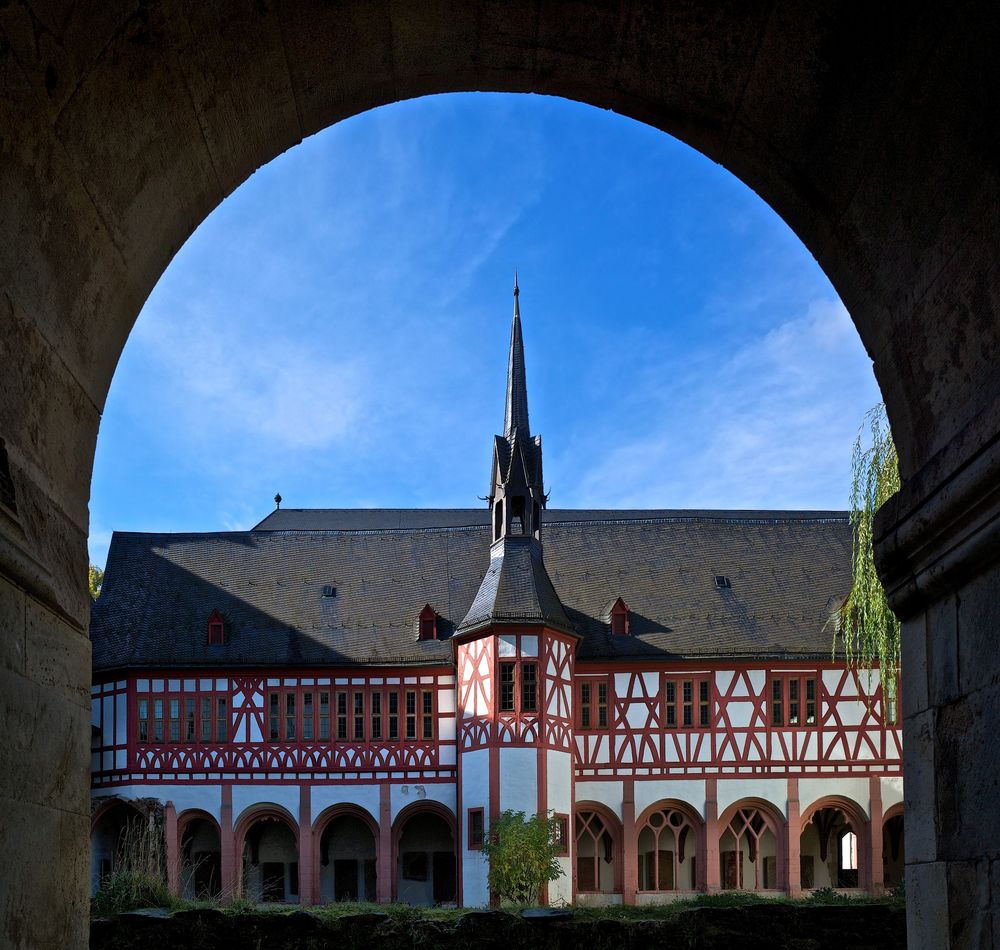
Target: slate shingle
(788, 572)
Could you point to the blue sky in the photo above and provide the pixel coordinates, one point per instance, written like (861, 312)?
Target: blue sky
(337, 330)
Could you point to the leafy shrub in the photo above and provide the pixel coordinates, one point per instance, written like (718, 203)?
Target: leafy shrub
(139, 877)
(522, 854)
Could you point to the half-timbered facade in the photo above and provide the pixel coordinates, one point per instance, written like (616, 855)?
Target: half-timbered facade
(335, 703)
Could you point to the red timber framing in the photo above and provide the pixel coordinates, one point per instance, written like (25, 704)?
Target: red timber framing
(176, 726)
(831, 722)
(515, 689)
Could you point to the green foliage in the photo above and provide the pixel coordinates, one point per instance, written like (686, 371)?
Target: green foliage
(522, 854)
(867, 624)
(139, 876)
(95, 579)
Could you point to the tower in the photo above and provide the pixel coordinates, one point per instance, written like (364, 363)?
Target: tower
(514, 652)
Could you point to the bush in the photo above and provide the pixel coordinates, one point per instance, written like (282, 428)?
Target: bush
(139, 876)
(522, 855)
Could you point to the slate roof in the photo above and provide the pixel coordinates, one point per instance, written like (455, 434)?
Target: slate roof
(516, 589)
(788, 571)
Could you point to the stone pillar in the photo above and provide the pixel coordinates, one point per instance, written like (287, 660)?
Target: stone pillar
(385, 878)
(306, 863)
(938, 547)
(711, 872)
(230, 881)
(630, 844)
(172, 849)
(873, 870)
(794, 836)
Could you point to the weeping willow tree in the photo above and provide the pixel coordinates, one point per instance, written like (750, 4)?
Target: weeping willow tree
(867, 625)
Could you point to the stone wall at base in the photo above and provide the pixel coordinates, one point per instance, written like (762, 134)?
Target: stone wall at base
(756, 927)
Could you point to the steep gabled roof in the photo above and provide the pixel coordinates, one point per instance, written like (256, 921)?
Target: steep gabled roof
(788, 570)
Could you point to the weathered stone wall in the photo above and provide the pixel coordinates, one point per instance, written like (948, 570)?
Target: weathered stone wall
(761, 927)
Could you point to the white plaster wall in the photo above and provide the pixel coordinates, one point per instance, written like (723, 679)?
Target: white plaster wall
(475, 794)
(206, 797)
(287, 796)
(773, 790)
(892, 792)
(519, 780)
(690, 791)
(608, 794)
(559, 767)
(856, 789)
(407, 793)
(365, 797)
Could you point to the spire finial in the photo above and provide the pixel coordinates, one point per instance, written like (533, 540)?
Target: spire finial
(516, 409)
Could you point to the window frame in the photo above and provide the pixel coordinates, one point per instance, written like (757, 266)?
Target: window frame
(686, 698)
(786, 691)
(151, 729)
(595, 705)
(517, 684)
(471, 833)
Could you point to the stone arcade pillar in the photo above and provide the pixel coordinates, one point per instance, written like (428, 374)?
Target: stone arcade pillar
(712, 870)
(630, 843)
(227, 846)
(386, 871)
(794, 868)
(172, 849)
(306, 859)
(938, 547)
(874, 870)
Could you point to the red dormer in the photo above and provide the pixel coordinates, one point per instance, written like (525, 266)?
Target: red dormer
(619, 618)
(216, 629)
(428, 623)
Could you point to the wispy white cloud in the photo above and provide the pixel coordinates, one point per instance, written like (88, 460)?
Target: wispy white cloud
(771, 426)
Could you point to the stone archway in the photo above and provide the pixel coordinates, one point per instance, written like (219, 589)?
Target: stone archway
(866, 130)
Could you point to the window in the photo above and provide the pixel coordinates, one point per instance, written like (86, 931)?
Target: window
(341, 717)
(476, 829)
(216, 629)
(681, 697)
(324, 716)
(518, 681)
(411, 714)
(428, 714)
(393, 715)
(793, 701)
(529, 687)
(354, 715)
(143, 731)
(190, 718)
(428, 623)
(307, 717)
(376, 708)
(507, 687)
(359, 716)
(593, 704)
(561, 837)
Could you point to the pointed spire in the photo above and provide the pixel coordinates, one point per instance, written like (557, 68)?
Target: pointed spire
(516, 410)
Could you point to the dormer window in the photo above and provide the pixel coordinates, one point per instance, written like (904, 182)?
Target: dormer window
(216, 629)
(428, 623)
(619, 619)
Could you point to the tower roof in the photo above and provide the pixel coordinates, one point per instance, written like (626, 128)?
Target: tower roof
(516, 410)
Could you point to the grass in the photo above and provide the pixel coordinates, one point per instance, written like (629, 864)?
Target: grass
(122, 895)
